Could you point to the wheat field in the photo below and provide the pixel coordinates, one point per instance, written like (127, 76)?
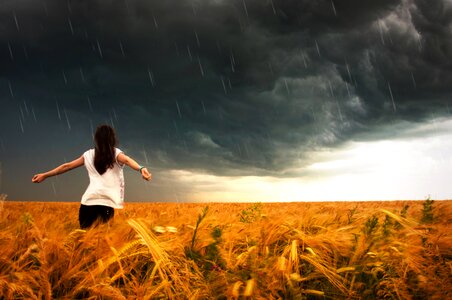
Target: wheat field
(335, 250)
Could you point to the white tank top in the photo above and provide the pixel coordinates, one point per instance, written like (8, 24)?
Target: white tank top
(106, 189)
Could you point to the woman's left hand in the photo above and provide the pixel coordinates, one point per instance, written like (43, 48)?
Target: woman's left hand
(38, 178)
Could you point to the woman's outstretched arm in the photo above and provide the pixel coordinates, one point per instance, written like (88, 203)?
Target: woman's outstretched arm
(59, 170)
(124, 159)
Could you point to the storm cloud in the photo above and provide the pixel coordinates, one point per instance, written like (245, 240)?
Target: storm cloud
(230, 88)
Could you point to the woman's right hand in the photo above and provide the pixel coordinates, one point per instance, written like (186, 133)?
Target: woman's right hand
(145, 174)
(38, 178)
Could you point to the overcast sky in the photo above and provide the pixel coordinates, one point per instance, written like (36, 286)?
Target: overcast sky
(238, 100)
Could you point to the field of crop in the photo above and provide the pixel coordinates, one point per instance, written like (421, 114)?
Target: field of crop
(346, 250)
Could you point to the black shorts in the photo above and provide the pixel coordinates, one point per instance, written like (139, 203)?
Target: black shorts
(89, 214)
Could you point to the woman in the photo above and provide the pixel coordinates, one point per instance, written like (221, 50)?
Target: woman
(105, 165)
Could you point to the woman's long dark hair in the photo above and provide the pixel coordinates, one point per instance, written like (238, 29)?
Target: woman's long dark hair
(104, 152)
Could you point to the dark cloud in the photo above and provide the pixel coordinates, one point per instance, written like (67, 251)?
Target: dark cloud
(227, 87)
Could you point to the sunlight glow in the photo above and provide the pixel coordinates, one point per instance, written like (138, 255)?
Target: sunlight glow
(407, 167)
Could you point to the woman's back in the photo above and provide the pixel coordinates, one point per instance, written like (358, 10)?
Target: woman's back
(107, 188)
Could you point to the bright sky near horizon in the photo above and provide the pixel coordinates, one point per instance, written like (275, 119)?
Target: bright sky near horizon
(414, 166)
(231, 100)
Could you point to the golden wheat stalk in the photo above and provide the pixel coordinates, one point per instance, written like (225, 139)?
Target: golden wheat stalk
(405, 222)
(331, 275)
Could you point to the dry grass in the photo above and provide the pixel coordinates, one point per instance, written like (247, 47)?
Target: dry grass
(366, 250)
